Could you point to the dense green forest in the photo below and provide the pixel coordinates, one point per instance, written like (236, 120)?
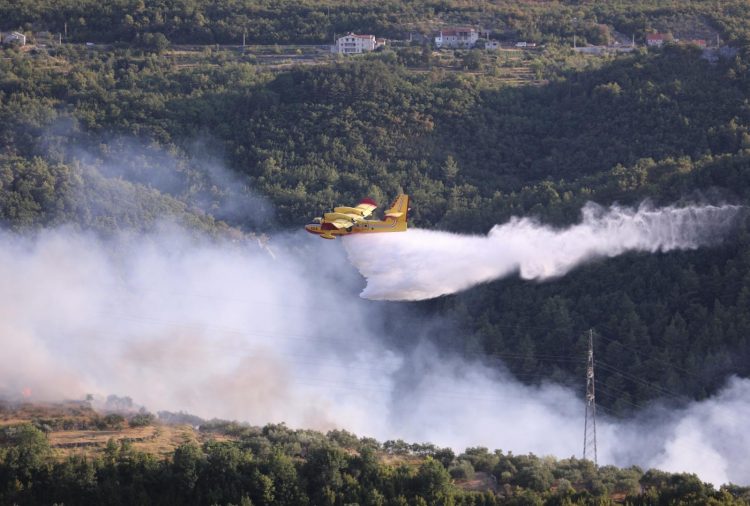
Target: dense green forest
(316, 21)
(276, 465)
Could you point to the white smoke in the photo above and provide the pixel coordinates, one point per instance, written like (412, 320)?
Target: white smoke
(230, 330)
(422, 264)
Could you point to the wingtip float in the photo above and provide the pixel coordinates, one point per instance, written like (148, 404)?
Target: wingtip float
(353, 220)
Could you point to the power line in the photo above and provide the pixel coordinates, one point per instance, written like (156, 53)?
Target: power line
(649, 357)
(641, 381)
(535, 356)
(608, 411)
(614, 396)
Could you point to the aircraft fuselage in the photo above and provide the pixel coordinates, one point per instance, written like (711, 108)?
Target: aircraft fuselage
(360, 227)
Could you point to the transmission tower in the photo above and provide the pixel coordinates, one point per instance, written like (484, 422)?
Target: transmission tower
(589, 426)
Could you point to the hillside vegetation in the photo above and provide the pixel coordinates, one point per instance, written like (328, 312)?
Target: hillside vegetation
(124, 135)
(229, 463)
(316, 21)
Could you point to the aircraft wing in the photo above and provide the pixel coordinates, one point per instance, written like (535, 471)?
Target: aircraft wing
(362, 210)
(339, 223)
(367, 206)
(338, 215)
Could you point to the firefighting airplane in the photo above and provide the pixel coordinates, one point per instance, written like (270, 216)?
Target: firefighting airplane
(353, 220)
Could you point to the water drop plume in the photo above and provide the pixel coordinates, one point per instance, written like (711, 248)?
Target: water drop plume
(423, 264)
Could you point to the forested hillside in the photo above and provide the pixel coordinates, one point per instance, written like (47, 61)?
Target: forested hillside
(245, 465)
(316, 21)
(132, 132)
(665, 125)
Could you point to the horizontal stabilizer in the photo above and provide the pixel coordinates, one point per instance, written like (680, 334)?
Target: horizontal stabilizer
(399, 209)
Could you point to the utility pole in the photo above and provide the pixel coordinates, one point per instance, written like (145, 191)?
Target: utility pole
(589, 425)
(244, 33)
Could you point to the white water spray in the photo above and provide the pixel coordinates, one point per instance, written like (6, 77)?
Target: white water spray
(422, 264)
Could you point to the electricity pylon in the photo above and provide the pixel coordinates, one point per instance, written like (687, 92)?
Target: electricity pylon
(589, 426)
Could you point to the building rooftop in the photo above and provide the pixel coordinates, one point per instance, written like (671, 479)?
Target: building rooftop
(359, 36)
(456, 30)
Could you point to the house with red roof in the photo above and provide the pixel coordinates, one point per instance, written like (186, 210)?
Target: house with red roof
(655, 39)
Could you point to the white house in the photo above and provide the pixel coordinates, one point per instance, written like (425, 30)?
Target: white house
(456, 37)
(15, 38)
(351, 43)
(492, 45)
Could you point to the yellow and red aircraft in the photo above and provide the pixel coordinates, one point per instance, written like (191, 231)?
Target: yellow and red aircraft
(353, 220)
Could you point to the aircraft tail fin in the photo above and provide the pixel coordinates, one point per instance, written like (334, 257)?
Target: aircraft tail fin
(399, 211)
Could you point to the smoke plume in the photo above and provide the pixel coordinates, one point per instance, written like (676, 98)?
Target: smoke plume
(239, 331)
(422, 264)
